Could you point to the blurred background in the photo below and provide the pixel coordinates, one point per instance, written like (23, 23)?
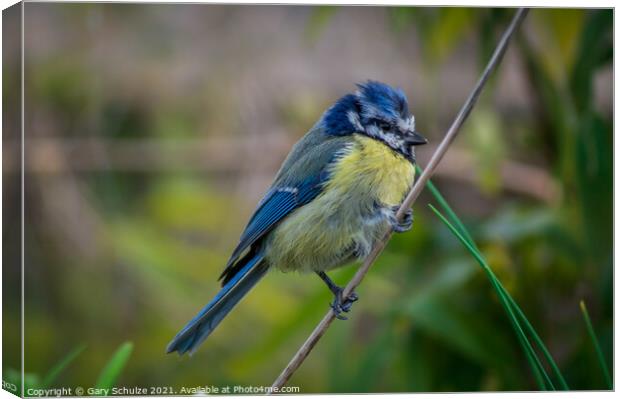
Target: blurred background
(153, 130)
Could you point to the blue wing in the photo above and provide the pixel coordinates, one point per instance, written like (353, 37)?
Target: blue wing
(300, 181)
(277, 204)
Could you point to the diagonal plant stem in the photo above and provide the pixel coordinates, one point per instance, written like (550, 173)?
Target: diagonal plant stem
(451, 134)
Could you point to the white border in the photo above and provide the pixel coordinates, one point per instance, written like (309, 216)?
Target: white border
(428, 3)
(481, 3)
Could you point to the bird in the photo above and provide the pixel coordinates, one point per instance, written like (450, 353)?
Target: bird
(336, 193)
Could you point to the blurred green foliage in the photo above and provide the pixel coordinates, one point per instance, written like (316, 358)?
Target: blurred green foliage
(113, 369)
(527, 335)
(33, 382)
(140, 251)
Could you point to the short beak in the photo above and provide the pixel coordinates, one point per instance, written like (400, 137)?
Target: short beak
(415, 138)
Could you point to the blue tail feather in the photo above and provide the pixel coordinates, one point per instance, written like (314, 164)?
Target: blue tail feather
(201, 326)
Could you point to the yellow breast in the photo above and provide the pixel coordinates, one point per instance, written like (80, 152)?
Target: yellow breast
(374, 169)
(318, 235)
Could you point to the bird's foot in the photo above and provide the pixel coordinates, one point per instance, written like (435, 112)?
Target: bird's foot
(401, 226)
(340, 305)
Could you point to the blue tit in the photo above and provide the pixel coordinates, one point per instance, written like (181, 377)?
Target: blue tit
(334, 196)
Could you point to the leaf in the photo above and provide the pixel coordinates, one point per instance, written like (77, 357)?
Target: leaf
(565, 25)
(114, 367)
(453, 24)
(555, 111)
(597, 347)
(595, 49)
(490, 21)
(557, 33)
(595, 185)
(514, 224)
(509, 303)
(452, 323)
(12, 380)
(486, 142)
(446, 280)
(59, 367)
(377, 357)
(511, 308)
(14, 377)
(446, 208)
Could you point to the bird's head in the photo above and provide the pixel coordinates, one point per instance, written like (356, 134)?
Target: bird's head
(377, 111)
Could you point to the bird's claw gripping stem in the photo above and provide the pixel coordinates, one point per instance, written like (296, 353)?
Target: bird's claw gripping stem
(401, 226)
(339, 304)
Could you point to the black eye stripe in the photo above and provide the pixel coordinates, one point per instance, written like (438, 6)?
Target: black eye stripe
(383, 125)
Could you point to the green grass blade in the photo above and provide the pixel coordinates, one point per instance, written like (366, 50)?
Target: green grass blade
(535, 362)
(597, 347)
(514, 308)
(114, 367)
(542, 379)
(540, 375)
(455, 220)
(58, 368)
(538, 340)
(447, 209)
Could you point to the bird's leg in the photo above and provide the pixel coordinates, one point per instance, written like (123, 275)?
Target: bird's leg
(401, 226)
(339, 304)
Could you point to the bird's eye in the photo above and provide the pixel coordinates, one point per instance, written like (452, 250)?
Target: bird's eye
(385, 126)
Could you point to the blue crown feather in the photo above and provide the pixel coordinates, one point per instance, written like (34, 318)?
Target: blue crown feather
(336, 119)
(374, 100)
(379, 100)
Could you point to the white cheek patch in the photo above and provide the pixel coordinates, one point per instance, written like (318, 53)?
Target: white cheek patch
(403, 125)
(407, 125)
(388, 138)
(392, 140)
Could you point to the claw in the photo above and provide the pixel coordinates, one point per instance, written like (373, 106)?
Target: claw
(339, 305)
(404, 224)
